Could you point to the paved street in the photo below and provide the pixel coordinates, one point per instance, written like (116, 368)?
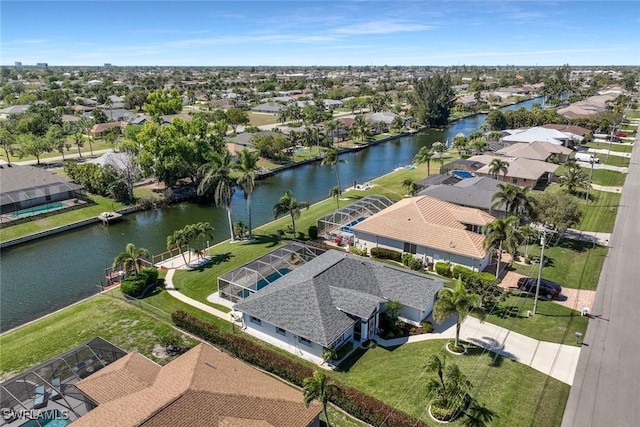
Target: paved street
(606, 387)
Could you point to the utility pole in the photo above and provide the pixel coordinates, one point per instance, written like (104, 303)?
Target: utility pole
(586, 200)
(543, 241)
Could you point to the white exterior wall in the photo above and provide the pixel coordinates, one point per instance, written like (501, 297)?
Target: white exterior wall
(289, 342)
(368, 241)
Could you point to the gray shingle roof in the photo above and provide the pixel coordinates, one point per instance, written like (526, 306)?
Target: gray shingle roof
(19, 183)
(323, 298)
(473, 192)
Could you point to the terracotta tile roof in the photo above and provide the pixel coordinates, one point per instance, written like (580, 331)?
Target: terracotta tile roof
(576, 130)
(518, 167)
(203, 379)
(429, 222)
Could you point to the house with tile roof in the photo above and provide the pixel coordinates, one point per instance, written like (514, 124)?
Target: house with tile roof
(333, 299)
(430, 229)
(539, 133)
(202, 387)
(537, 150)
(521, 172)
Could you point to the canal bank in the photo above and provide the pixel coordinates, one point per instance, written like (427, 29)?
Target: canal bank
(44, 275)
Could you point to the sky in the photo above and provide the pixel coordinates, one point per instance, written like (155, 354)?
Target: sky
(320, 33)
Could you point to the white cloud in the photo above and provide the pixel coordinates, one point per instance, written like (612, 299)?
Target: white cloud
(382, 27)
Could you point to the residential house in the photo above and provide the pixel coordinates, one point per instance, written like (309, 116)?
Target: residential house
(541, 134)
(13, 110)
(204, 386)
(121, 162)
(332, 104)
(430, 229)
(587, 107)
(26, 187)
(570, 129)
(440, 179)
(520, 172)
(244, 138)
(235, 149)
(100, 129)
(476, 192)
(537, 150)
(269, 107)
(333, 299)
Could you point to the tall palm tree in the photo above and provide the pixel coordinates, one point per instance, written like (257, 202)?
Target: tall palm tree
(248, 167)
(497, 167)
(457, 301)
(460, 143)
(573, 178)
(412, 188)
(131, 258)
(335, 193)
(289, 205)
(505, 197)
(522, 205)
(331, 158)
(424, 155)
(361, 127)
(177, 240)
(318, 387)
(216, 177)
(499, 232)
(528, 234)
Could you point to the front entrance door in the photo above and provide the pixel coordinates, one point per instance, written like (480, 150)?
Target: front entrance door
(357, 331)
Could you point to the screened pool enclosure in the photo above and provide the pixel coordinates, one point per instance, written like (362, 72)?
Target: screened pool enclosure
(341, 220)
(250, 278)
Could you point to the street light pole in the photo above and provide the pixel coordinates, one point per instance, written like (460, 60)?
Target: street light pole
(543, 241)
(592, 161)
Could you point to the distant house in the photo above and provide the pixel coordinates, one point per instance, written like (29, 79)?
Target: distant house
(430, 229)
(235, 149)
(587, 107)
(461, 165)
(382, 116)
(541, 134)
(121, 162)
(204, 386)
(571, 129)
(476, 192)
(269, 107)
(13, 110)
(100, 129)
(521, 172)
(26, 187)
(332, 104)
(244, 138)
(440, 179)
(118, 114)
(537, 150)
(333, 299)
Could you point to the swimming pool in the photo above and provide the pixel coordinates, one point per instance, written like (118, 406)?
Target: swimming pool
(50, 418)
(348, 228)
(36, 210)
(462, 174)
(266, 281)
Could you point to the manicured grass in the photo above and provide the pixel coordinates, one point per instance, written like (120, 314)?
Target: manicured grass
(623, 148)
(98, 144)
(571, 263)
(615, 160)
(259, 119)
(600, 213)
(198, 285)
(114, 320)
(100, 204)
(396, 376)
(608, 178)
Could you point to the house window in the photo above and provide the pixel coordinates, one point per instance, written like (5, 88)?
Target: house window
(281, 331)
(410, 248)
(256, 320)
(514, 180)
(304, 341)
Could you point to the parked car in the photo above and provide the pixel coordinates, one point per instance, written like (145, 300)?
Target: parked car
(548, 289)
(620, 134)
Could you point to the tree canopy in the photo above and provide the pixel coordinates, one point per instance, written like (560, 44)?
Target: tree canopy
(433, 99)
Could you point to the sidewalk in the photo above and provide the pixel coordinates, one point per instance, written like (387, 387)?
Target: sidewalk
(57, 159)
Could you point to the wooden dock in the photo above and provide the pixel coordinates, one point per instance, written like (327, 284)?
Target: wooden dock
(109, 217)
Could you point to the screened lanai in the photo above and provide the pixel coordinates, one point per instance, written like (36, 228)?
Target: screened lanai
(250, 278)
(48, 390)
(343, 219)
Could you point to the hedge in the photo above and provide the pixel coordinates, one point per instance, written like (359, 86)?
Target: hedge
(384, 253)
(352, 401)
(443, 269)
(313, 232)
(134, 285)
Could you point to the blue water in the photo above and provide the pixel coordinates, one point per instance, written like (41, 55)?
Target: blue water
(51, 418)
(266, 281)
(347, 228)
(24, 213)
(463, 174)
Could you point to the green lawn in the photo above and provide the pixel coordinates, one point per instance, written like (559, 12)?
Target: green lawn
(259, 119)
(98, 144)
(600, 213)
(112, 319)
(396, 376)
(100, 204)
(607, 177)
(614, 147)
(571, 263)
(615, 160)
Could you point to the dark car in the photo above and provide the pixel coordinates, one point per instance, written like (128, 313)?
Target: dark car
(548, 289)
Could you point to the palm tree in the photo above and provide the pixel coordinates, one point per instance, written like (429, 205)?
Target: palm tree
(131, 258)
(497, 233)
(457, 301)
(497, 167)
(522, 204)
(361, 127)
(412, 188)
(528, 234)
(289, 205)
(505, 197)
(317, 387)
(424, 155)
(331, 158)
(177, 240)
(573, 178)
(335, 193)
(248, 166)
(438, 147)
(216, 177)
(449, 389)
(460, 143)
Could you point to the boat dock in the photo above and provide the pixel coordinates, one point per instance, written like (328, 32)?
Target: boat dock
(109, 217)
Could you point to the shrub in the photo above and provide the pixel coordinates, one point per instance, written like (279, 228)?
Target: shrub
(133, 286)
(415, 264)
(427, 326)
(384, 253)
(443, 269)
(442, 413)
(150, 273)
(313, 232)
(358, 251)
(344, 350)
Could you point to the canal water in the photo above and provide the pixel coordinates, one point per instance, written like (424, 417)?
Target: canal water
(45, 275)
